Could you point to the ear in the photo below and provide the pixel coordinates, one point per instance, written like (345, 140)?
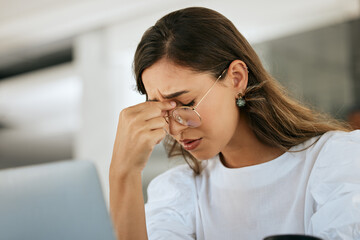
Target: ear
(238, 76)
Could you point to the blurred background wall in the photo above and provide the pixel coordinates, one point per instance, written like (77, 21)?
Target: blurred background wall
(65, 68)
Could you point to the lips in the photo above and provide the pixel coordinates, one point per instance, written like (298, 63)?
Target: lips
(190, 144)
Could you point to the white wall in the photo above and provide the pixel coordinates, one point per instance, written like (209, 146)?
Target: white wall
(40, 112)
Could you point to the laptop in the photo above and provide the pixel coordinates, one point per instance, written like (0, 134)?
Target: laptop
(53, 201)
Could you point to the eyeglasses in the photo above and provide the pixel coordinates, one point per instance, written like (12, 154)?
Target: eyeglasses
(188, 116)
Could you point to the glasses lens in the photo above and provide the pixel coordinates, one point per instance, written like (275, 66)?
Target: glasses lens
(187, 117)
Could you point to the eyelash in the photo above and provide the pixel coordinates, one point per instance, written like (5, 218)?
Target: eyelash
(190, 104)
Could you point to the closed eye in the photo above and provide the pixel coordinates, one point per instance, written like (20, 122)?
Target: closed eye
(190, 104)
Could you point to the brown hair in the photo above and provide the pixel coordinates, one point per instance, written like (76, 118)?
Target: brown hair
(203, 40)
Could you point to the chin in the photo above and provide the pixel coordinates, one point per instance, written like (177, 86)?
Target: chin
(203, 155)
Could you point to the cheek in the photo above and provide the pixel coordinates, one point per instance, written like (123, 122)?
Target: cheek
(220, 117)
(219, 122)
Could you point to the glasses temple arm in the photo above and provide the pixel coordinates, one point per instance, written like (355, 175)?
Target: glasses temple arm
(209, 90)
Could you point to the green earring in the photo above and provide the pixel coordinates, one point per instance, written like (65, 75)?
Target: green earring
(240, 101)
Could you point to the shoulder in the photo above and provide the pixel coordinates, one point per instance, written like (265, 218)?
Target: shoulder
(330, 143)
(335, 136)
(334, 185)
(337, 163)
(337, 147)
(172, 183)
(170, 209)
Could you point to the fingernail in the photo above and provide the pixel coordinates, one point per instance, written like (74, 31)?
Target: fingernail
(173, 103)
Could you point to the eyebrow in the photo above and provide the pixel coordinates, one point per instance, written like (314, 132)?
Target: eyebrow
(172, 95)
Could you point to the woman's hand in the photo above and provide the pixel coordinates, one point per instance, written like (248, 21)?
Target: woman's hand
(140, 128)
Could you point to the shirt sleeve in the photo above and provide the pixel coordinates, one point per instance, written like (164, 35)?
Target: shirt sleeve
(336, 189)
(170, 210)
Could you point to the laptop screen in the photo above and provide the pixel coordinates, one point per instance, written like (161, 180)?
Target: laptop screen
(61, 200)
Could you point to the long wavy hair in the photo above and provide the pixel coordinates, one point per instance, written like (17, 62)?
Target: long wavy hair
(203, 40)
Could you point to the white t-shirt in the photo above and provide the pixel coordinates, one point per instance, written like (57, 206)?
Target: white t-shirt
(315, 192)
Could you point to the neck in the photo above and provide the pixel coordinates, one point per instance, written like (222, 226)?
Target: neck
(245, 149)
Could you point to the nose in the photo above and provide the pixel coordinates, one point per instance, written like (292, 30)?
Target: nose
(175, 128)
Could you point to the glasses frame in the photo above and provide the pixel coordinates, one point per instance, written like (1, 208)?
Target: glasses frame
(171, 113)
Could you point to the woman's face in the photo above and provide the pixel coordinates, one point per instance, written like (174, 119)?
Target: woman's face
(218, 110)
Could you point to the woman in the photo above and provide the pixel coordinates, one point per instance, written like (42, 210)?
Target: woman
(259, 163)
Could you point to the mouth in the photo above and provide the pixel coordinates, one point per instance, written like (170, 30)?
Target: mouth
(190, 144)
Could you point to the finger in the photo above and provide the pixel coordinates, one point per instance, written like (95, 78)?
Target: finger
(164, 106)
(158, 135)
(156, 123)
(154, 109)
